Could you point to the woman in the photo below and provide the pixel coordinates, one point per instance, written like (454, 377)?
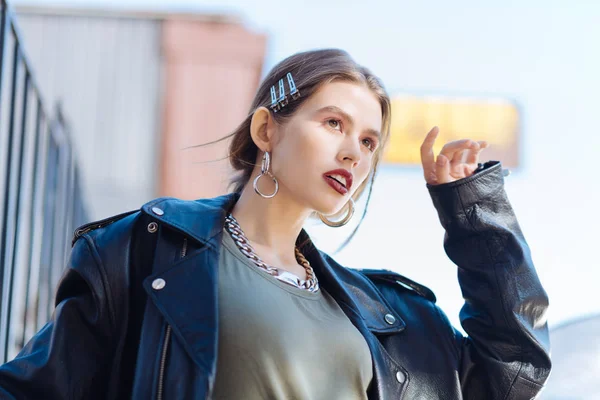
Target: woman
(228, 298)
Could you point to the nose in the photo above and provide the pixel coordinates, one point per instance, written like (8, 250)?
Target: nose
(350, 151)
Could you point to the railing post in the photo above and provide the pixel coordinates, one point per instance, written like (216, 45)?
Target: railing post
(18, 190)
(38, 197)
(7, 247)
(32, 276)
(2, 39)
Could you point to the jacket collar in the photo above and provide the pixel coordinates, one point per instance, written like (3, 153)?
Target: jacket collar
(203, 220)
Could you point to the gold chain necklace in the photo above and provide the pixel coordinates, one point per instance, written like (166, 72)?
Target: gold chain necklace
(311, 283)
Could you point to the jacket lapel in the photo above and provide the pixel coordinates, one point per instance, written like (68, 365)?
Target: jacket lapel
(188, 302)
(353, 289)
(188, 298)
(200, 220)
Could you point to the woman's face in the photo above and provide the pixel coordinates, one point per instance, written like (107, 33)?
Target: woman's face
(338, 128)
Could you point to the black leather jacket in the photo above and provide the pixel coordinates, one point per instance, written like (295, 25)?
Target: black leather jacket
(117, 333)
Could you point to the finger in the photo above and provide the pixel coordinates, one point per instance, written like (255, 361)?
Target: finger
(442, 169)
(458, 145)
(455, 163)
(459, 156)
(427, 155)
(473, 155)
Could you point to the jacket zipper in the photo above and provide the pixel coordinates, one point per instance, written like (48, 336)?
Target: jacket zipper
(163, 359)
(165, 347)
(184, 249)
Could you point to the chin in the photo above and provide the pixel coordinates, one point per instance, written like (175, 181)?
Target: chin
(322, 199)
(329, 207)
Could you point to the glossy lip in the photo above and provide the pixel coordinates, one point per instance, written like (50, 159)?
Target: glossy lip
(346, 174)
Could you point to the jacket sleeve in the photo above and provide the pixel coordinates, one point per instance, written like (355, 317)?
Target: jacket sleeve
(69, 357)
(506, 354)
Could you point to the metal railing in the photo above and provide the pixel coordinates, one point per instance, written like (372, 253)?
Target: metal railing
(40, 195)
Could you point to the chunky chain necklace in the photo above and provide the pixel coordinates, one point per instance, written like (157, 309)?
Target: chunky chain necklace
(311, 284)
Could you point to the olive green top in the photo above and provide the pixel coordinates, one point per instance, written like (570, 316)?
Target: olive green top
(277, 341)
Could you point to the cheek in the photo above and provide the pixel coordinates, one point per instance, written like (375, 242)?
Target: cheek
(302, 148)
(293, 158)
(363, 173)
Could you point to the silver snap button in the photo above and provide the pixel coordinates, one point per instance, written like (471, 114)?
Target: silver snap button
(152, 227)
(506, 172)
(400, 377)
(158, 284)
(157, 211)
(389, 318)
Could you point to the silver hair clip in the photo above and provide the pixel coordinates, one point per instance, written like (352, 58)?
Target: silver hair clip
(274, 99)
(277, 103)
(283, 100)
(293, 90)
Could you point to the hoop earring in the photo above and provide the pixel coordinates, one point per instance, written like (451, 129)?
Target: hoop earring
(264, 170)
(343, 221)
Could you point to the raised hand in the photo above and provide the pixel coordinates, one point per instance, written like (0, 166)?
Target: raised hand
(458, 159)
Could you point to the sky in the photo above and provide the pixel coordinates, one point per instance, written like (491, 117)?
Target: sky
(541, 54)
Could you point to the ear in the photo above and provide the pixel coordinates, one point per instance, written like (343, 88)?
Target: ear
(262, 129)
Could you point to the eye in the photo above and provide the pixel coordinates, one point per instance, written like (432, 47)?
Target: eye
(334, 124)
(370, 144)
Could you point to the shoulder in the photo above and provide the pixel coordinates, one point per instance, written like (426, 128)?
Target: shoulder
(105, 225)
(103, 256)
(103, 251)
(94, 225)
(398, 282)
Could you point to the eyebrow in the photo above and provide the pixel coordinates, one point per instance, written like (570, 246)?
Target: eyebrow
(348, 117)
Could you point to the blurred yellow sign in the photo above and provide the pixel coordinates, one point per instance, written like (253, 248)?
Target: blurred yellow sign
(494, 120)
